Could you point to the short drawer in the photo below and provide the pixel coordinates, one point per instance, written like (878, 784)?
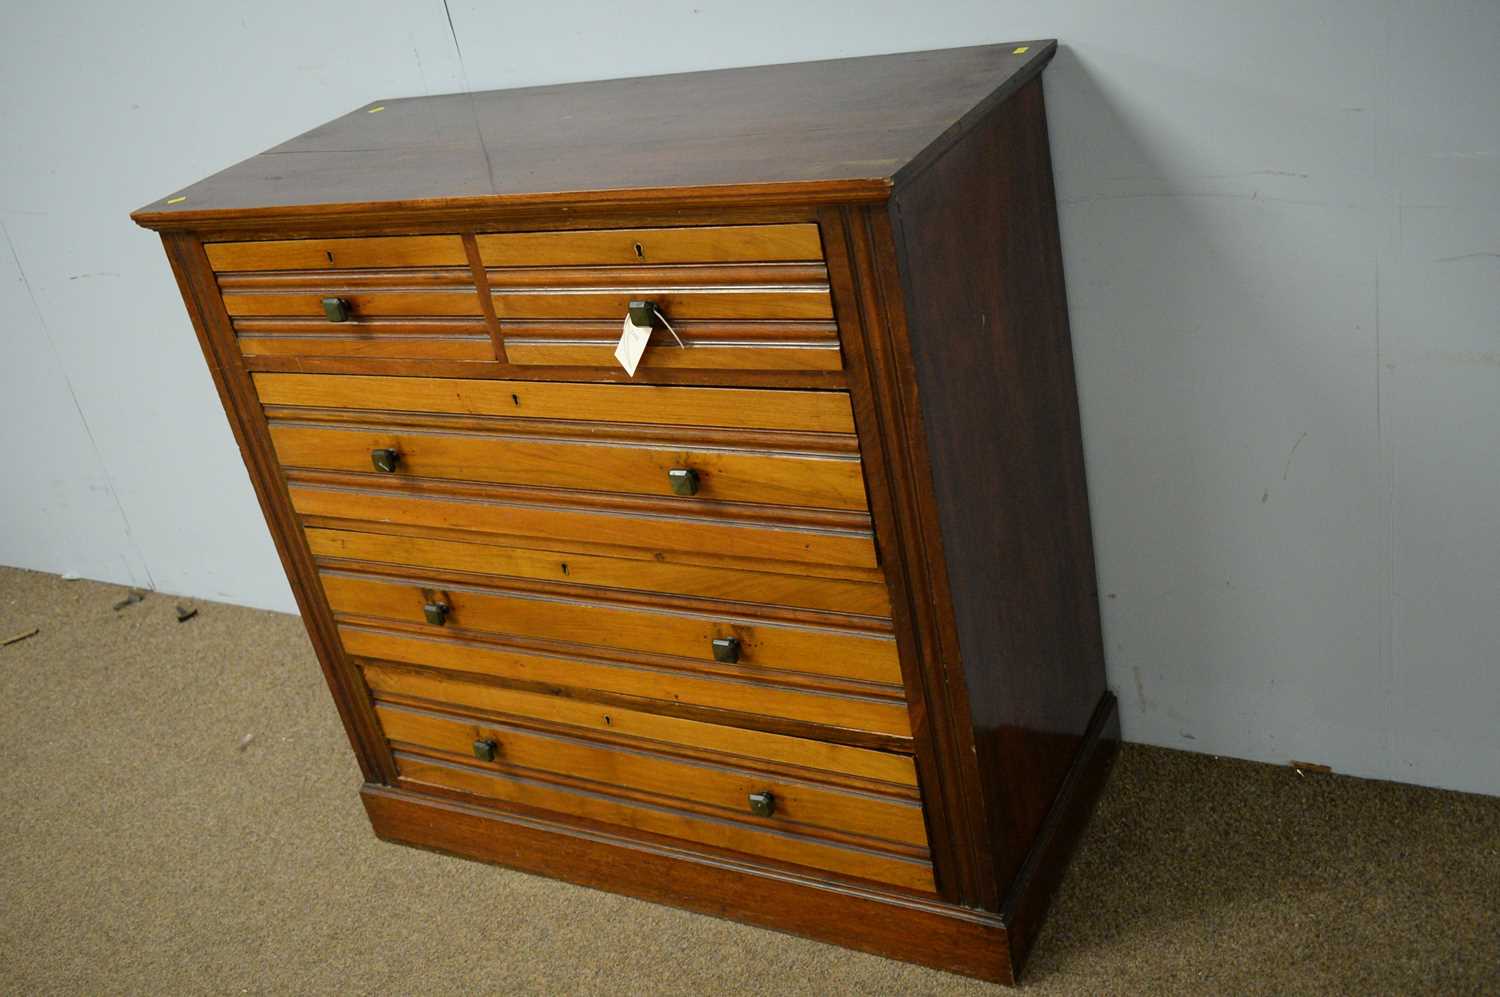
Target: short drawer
(373, 252)
(737, 298)
(381, 298)
(719, 472)
(780, 243)
(752, 646)
(719, 784)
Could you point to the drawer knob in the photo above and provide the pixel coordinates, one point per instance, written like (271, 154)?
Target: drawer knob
(385, 459)
(684, 480)
(642, 313)
(436, 613)
(763, 804)
(485, 748)
(727, 649)
(337, 309)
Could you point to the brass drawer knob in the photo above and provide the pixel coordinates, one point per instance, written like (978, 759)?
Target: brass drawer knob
(684, 480)
(485, 748)
(385, 459)
(336, 309)
(727, 649)
(436, 613)
(763, 804)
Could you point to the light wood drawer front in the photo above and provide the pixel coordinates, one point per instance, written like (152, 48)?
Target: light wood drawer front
(590, 346)
(394, 683)
(759, 645)
(732, 835)
(811, 302)
(338, 254)
(603, 247)
(719, 785)
(362, 304)
(718, 474)
(527, 525)
(636, 571)
(667, 689)
(636, 404)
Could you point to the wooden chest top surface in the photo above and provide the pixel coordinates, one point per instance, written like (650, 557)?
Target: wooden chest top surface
(839, 128)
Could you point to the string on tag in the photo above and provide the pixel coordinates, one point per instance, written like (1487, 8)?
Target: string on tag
(657, 312)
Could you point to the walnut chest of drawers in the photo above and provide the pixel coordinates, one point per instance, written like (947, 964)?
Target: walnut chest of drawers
(798, 624)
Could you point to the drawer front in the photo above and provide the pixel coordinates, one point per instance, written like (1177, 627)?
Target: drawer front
(650, 246)
(374, 252)
(727, 696)
(630, 404)
(401, 297)
(719, 784)
(621, 571)
(522, 524)
(661, 467)
(656, 819)
(738, 298)
(757, 645)
(456, 693)
(698, 799)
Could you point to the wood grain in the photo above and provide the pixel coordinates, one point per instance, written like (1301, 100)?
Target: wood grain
(886, 921)
(448, 692)
(362, 302)
(1024, 591)
(673, 302)
(743, 695)
(664, 354)
(746, 476)
(737, 408)
(474, 349)
(642, 572)
(512, 520)
(763, 645)
(335, 254)
(715, 784)
(734, 835)
(638, 246)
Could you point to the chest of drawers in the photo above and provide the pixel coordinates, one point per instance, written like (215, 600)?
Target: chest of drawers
(798, 623)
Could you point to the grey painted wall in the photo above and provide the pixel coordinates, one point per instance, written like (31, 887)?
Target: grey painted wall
(1281, 224)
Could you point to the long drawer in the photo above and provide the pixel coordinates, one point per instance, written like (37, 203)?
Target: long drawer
(748, 643)
(575, 457)
(725, 694)
(847, 810)
(622, 571)
(719, 785)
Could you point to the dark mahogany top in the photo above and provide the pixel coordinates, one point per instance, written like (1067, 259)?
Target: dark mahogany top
(841, 129)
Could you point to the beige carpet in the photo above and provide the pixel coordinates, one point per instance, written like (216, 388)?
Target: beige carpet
(148, 847)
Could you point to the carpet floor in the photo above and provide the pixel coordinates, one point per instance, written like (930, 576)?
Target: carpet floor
(180, 816)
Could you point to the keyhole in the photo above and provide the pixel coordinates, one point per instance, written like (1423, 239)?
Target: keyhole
(516, 399)
(565, 567)
(607, 721)
(329, 254)
(640, 252)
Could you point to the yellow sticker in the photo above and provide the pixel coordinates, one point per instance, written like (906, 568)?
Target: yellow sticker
(1022, 50)
(177, 200)
(377, 110)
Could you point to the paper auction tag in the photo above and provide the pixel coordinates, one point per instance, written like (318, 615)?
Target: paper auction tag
(633, 340)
